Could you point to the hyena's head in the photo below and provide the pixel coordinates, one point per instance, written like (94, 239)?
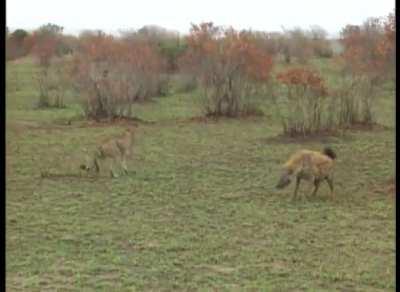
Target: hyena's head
(285, 179)
(84, 167)
(94, 166)
(91, 163)
(90, 167)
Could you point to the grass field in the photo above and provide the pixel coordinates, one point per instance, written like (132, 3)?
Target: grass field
(198, 210)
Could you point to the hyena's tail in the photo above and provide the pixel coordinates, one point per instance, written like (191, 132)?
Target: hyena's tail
(330, 153)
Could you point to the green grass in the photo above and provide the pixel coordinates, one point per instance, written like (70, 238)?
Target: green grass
(198, 210)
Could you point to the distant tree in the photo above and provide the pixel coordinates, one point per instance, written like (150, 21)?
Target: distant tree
(320, 44)
(300, 45)
(268, 41)
(318, 33)
(387, 46)
(87, 33)
(368, 58)
(68, 44)
(154, 33)
(272, 42)
(295, 43)
(19, 35)
(168, 43)
(15, 44)
(47, 43)
(171, 50)
(362, 48)
(51, 29)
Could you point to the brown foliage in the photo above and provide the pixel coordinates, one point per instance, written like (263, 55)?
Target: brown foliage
(307, 99)
(113, 73)
(227, 64)
(369, 57)
(305, 78)
(369, 49)
(387, 46)
(45, 43)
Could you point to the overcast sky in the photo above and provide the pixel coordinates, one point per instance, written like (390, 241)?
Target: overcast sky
(112, 15)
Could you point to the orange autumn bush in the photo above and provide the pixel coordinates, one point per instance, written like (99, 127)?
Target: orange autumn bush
(229, 66)
(112, 74)
(307, 102)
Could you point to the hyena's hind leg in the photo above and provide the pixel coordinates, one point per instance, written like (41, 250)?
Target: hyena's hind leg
(317, 182)
(113, 168)
(120, 162)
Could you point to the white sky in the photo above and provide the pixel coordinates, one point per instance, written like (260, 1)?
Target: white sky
(112, 15)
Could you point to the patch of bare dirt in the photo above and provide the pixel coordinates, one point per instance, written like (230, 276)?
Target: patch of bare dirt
(367, 127)
(22, 60)
(62, 176)
(386, 188)
(215, 119)
(199, 119)
(326, 136)
(218, 269)
(21, 126)
(391, 187)
(322, 137)
(125, 121)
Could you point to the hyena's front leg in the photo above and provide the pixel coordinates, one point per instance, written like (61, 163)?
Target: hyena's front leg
(298, 179)
(329, 180)
(96, 165)
(112, 169)
(120, 160)
(123, 164)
